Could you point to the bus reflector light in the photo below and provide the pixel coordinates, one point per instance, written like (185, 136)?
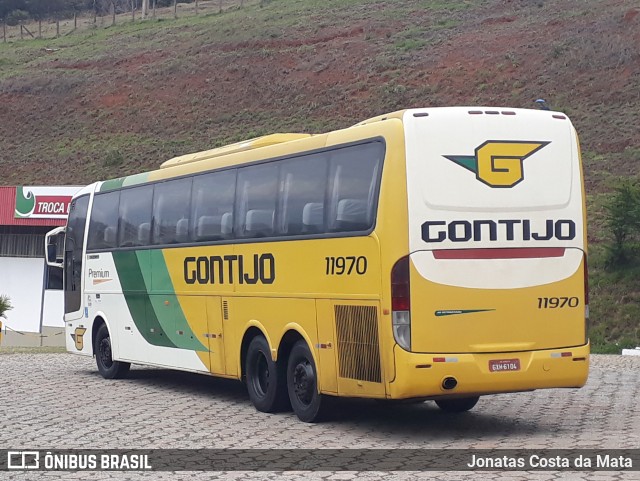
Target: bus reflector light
(561, 354)
(445, 359)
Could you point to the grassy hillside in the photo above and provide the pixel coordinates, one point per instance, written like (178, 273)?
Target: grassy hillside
(112, 101)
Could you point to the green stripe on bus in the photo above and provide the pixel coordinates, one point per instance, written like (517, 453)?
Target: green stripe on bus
(115, 184)
(167, 307)
(135, 179)
(136, 294)
(112, 184)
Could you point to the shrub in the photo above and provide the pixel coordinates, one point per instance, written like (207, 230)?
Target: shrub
(623, 222)
(5, 305)
(17, 16)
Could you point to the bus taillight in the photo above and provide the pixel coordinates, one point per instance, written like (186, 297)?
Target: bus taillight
(401, 303)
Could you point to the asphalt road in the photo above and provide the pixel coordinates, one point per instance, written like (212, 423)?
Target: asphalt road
(58, 401)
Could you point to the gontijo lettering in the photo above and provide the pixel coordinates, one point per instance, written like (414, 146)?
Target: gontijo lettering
(229, 269)
(507, 229)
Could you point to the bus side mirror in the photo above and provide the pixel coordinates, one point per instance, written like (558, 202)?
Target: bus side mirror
(51, 247)
(52, 254)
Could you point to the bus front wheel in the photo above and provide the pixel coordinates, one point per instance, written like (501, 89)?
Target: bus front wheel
(265, 378)
(302, 384)
(457, 405)
(108, 368)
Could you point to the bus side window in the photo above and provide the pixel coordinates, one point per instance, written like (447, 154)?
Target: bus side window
(182, 230)
(226, 224)
(209, 227)
(259, 222)
(135, 216)
(212, 206)
(312, 218)
(103, 226)
(353, 177)
(352, 215)
(171, 211)
(303, 182)
(256, 200)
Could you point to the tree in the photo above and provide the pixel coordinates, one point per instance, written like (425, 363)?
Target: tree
(40, 9)
(5, 305)
(623, 222)
(8, 6)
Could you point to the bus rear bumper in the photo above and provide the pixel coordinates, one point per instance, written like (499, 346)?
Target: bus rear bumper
(420, 375)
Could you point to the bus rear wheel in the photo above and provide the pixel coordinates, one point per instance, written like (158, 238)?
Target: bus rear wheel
(302, 384)
(457, 405)
(265, 378)
(108, 368)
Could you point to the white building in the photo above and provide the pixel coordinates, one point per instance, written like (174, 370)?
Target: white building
(34, 289)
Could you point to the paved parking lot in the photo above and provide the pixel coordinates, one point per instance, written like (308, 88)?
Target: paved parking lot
(56, 401)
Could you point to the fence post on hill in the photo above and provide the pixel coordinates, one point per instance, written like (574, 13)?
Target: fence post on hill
(175, 9)
(39, 28)
(57, 27)
(4, 32)
(154, 9)
(196, 7)
(28, 31)
(113, 12)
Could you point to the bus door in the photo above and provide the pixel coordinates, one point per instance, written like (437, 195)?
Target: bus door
(73, 258)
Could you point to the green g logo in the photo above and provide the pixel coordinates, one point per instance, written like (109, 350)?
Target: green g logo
(25, 202)
(498, 163)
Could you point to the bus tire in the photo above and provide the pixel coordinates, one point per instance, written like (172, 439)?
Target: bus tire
(302, 384)
(265, 378)
(459, 405)
(108, 368)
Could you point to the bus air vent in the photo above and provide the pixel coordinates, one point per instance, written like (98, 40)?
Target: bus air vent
(358, 346)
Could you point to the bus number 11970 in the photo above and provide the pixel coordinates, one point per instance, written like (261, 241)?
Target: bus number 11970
(338, 266)
(557, 302)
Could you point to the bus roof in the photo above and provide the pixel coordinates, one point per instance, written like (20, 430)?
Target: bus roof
(250, 144)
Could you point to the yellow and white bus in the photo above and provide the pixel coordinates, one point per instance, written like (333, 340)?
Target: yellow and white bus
(433, 253)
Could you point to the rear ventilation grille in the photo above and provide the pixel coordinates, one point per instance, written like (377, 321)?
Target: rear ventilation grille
(358, 346)
(225, 310)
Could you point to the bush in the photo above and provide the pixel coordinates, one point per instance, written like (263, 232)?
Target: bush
(623, 221)
(16, 16)
(114, 158)
(5, 306)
